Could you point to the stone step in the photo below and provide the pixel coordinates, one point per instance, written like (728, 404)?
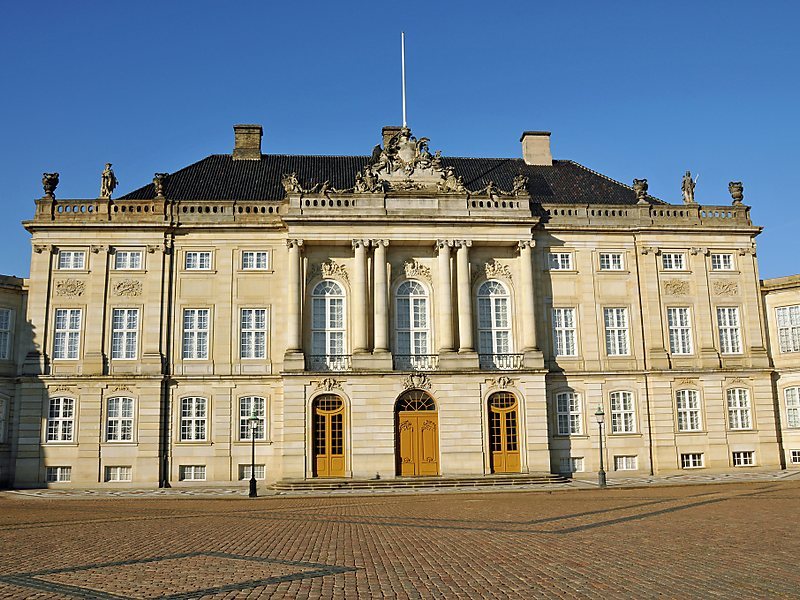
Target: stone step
(415, 482)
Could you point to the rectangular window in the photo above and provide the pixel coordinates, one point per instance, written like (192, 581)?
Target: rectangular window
(688, 405)
(564, 332)
(5, 333)
(611, 261)
(245, 471)
(254, 333)
(788, 318)
(560, 261)
(59, 474)
(792, 396)
(192, 472)
(673, 261)
(680, 330)
(119, 421)
(568, 414)
(623, 414)
(739, 409)
(794, 457)
(626, 463)
(118, 473)
(722, 262)
(252, 406)
(616, 321)
(571, 464)
(67, 335)
(193, 419)
(197, 261)
(3, 420)
(195, 333)
(745, 458)
(124, 332)
(127, 260)
(730, 337)
(255, 260)
(61, 420)
(692, 460)
(70, 260)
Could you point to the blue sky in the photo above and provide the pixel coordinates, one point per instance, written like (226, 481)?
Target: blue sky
(630, 89)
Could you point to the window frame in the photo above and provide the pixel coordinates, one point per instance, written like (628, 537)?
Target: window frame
(789, 332)
(255, 267)
(249, 350)
(740, 414)
(198, 266)
(59, 472)
(493, 330)
(328, 331)
(718, 262)
(7, 322)
(672, 262)
(688, 328)
(125, 334)
(626, 460)
(791, 399)
(62, 336)
(745, 458)
(626, 416)
(574, 462)
(554, 260)
(70, 263)
(61, 433)
(562, 334)
(572, 417)
(120, 427)
(128, 254)
(688, 460)
(195, 333)
(184, 469)
(610, 266)
(617, 335)
(188, 421)
(110, 469)
(244, 425)
(684, 398)
(729, 335)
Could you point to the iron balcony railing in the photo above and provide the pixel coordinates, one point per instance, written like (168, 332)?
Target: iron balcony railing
(500, 362)
(329, 362)
(416, 362)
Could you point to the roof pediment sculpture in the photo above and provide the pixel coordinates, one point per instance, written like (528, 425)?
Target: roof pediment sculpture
(159, 181)
(687, 188)
(50, 183)
(405, 163)
(640, 189)
(736, 190)
(108, 182)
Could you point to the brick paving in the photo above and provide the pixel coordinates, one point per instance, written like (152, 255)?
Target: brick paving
(733, 540)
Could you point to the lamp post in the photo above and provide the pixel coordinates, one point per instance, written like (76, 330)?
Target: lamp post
(253, 422)
(600, 417)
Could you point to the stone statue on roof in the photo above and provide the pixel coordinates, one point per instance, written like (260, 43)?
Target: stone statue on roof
(291, 183)
(50, 183)
(640, 189)
(108, 182)
(687, 187)
(159, 179)
(520, 185)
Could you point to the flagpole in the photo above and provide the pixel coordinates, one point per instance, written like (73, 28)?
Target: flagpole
(403, 66)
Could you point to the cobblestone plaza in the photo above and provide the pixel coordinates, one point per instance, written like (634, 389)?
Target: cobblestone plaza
(731, 541)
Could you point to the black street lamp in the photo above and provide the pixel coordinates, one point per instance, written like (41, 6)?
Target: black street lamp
(253, 422)
(600, 417)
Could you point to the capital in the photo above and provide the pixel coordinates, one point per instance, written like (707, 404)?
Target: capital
(153, 248)
(442, 244)
(360, 244)
(462, 243)
(39, 248)
(294, 243)
(696, 251)
(377, 243)
(525, 244)
(99, 248)
(649, 250)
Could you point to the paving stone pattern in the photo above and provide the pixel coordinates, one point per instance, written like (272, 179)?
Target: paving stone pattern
(734, 540)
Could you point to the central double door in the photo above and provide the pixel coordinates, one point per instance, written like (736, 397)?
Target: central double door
(417, 435)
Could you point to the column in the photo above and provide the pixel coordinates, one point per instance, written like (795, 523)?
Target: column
(294, 342)
(445, 297)
(465, 341)
(359, 312)
(381, 298)
(527, 299)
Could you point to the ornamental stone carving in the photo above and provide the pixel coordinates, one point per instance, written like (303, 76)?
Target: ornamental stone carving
(128, 287)
(726, 288)
(687, 188)
(416, 270)
(451, 184)
(520, 186)
(368, 182)
(686, 381)
(291, 184)
(97, 249)
(751, 251)
(39, 248)
(640, 189)
(649, 250)
(496, 270)
(503, 382)
(419, 381)
(329, 384)
(70, 287)
(159, 182)
(50, 183)
(153, 248)
(108, 182)
(736, 190)
(676, 287)
(329, 270)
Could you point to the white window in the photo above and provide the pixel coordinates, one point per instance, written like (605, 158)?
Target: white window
(245, 472)
(788, 318)
(744, 458)
(412, 321)
(327, 319)
(61, 420)
(494, 322)
(739, 409)
(560, 261)
(692, 460)
(623, 413)
(722, 262)
(252, 406)
(118, 473)
(124, 332)
(673, 261)
(192, 472)
(611, 261)
(568, 413)
(680, 330)
(794, 457)
(730, 337)
(70, 260)
(688, 405)
(792, 396)
(571, 464)
(258, 260)
(193, 419)
(195, 333)
(119, 420)
(564, 332)
(5, 333)
(254, 333)
(197, 261)
(67, 338)
(59, 474)
(616, 320)
(626, 463)
(127, 260)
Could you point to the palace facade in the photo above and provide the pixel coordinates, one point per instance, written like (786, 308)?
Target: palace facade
(397, 314)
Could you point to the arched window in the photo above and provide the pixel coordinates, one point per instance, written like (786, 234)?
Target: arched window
(494, 322)
(415, 400)
(411, 319)
(327, 319)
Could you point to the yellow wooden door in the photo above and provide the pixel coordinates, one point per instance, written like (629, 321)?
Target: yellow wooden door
(418, 438)
(329, 436)
(503, 433)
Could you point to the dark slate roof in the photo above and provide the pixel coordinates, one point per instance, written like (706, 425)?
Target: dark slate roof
(219, 177)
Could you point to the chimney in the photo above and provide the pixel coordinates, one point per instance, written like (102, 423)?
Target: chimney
(389, 132)
(247, 142)
(536, 148)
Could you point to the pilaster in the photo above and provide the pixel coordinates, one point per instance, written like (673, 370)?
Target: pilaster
(293, 359)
